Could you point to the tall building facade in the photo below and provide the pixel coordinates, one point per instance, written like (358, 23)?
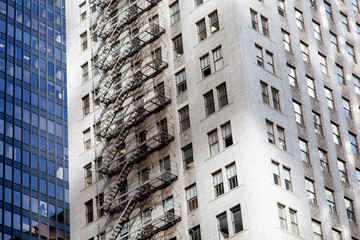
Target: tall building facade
(34, 179)
(214, 119)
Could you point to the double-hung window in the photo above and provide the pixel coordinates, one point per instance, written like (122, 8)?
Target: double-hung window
(191, 198)
(356, 81)
(237, 219)
(205, 66)
(336, 133)
(184, 118)
(201, 28)
(174, 12)
(311, 87)
(286, 40)
(270, 132)
(181, 81)
(353, 142)
(232, 176)
(330, 200)
(317, 31)
(223, 226)
(209, 103)
(264, 93)
(218, 184)
(227, 135)
(305, 52)
(298, 112)
(342, 171)
(304, 150)
(349, 210)
(214, 22)
(323, 161)
(299, 19)
(347, 109)
(218, 59)
(329, 98)
(310, 189)
(178, 46)
(340, 74)
(317, 123)
(222, 95)
(213, 142)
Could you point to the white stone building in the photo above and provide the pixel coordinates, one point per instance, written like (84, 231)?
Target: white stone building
(228, 118)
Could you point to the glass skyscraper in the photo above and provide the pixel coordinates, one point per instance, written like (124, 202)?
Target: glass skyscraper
(34, 179)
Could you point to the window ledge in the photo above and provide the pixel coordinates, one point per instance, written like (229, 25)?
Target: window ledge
(214, 113)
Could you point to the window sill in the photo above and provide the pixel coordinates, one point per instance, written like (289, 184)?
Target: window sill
(287, 231)
(223, 150)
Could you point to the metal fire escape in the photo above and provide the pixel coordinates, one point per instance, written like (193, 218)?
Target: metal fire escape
(129, 58)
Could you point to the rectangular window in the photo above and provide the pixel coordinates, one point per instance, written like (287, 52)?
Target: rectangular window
(328, 11)
(330, 200)
(181, 81)
(191, 198)
(265, 26)
(355, 5)
(218, 59)
(209, 103)
(174, 12)
(299, 19)
(353, 142)
(298, 112)
(350, 210)
(227, 135)
(281, 7)
(86, 105)
(316, 226)
(340, 74)
(85, 72)
(351, 52)
(311, 87)
(358, 176)
(205, 66)
(213, 142)
(194, 233)
(178, 46)
(294, 222)
(264, 93)
(356, 81)
(144, 175)
(287, 178)
(292, 76)
(317, 31)
(323, 64)
(232, 176)
(286, 40)
(184, 118)
(334, 42)
(335, 133)
(281, 137)
(198, 2)
(336, 234)
(214, 22)
(275, 98)
(254, 20)
(329, 98)
(100, 204)
(270, 132)
(223, 226)
(89, 212)
(87, 139)
(218, 184)
(282, 216)
(201, 30)
(187, 153)
(347, 109)
(317, 123)
(237, 219)
(276, 173)
(310, 189)
(222, 95)
(305, 52)
(269, 62)
(259, 56)
(324, 161)
(304, 150)
(82, 11)
(83, 41)
(342, 171)
(344, 22)
(88, 175)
